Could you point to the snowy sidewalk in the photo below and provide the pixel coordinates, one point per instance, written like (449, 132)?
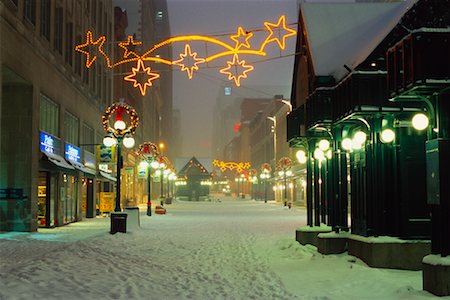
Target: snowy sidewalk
(227, 249)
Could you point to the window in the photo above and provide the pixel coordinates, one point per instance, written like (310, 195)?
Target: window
(48, 116)
(69, 43)
(45, 19)
(58, 29)
(93, 11)
(29, 10)
(71, 128)
(88, 138)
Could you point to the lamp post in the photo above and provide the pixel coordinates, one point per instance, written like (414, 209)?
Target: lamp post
(274, 130)
(149, 152)
(284, 164)
(265, 175)
(118, 134)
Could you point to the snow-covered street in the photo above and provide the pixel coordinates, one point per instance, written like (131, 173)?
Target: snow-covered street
(227, 249)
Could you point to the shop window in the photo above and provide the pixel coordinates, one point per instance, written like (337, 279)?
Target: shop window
(49, 115)
(71, 128)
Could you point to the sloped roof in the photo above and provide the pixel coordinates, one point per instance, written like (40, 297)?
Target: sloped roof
(346, 33)
(193, 167)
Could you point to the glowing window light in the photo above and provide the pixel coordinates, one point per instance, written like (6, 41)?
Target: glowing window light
(347, 144)
(237, 64)
(185, 61)
(420, 121)
(324, 145)
(241, 38)
(387, 135)
(133, 77)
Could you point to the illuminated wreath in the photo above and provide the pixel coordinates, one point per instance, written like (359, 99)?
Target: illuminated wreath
(266, 168)
(119, 107)
(285, 163)
(148, 150)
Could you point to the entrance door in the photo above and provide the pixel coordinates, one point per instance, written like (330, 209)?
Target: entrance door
(46, 199)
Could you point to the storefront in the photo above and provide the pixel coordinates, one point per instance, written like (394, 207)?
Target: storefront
(57, 185)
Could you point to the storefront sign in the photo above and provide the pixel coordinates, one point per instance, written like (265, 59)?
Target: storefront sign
(106, 202)
(73, 153)
(105, 154)
(49, 143)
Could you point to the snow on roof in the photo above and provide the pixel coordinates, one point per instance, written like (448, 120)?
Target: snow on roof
(346, 33)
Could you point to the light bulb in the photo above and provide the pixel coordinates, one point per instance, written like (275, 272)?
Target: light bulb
(387, 135)
(324, 145)
(128, 142)
(119, 125)
(420, 121)
(109, 141)
(347, 144)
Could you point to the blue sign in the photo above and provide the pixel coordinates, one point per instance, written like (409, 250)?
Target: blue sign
(47, 143)
(72, 153)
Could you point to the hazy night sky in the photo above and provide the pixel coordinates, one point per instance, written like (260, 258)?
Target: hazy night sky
(196, 97)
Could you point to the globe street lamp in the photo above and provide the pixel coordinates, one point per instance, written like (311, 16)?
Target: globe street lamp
(119, 134)
(149, 152)
(265, 175)
(284, 164)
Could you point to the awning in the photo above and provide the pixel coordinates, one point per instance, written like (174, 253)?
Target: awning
(82, 168)
(58, 160)
(107, 176)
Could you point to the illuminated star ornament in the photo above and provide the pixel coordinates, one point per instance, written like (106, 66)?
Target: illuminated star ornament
(127, 44)
(186, 59)
(98, 43)
(240, 70)
(241, 38)
(236, 69)
(134, 77)
(281, 27)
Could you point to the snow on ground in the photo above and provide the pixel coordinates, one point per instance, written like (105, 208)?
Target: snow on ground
(228, 249)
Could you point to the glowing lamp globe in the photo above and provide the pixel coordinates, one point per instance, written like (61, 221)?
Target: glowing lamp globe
(387, 135)
(347, 144)
(324, 145)
(154, 164)
(318, 154)
(359, 137)
(420, 121)
(301, 156)
(109, 141)
(128, 142)
(119, 125)
(143, 164)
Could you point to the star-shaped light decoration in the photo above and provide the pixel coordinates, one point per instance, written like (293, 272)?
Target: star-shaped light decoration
(280, 26)
(136, 83)
(241, 38)
(188, 61)
(128, 43)
(98, 43)
(238, 74)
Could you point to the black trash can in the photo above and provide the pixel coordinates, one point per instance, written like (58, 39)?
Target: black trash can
(118, 222)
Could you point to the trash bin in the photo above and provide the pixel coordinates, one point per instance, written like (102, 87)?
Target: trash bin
(118, 222)
(168, 200)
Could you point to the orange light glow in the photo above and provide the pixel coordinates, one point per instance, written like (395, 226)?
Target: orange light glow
(129, 43)
(236, 69)
(231, 165)
(133, 77)
(237, 74)
(186, 59)
(280, 26)
(98, 43)
(241, 38)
